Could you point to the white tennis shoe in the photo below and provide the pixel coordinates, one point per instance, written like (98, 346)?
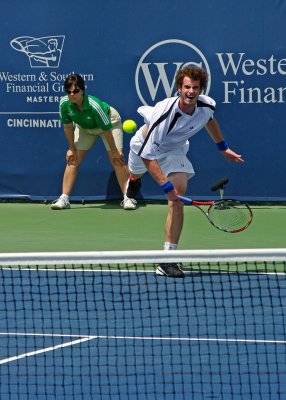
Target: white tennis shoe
(128, 204)
(61, 203)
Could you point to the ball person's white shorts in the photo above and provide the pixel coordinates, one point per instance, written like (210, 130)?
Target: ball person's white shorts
(84, 139)
(172, 162)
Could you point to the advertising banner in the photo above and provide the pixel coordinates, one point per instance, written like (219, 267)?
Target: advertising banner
(128, 53)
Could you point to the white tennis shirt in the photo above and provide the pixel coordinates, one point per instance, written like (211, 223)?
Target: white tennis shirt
(173, 132)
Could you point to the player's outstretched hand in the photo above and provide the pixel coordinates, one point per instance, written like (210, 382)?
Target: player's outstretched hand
(231, 156)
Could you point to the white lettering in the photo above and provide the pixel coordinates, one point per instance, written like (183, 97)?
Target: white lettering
(33, 123)
(231, 62)
(7, 77)
(282, 66)
(225, 67)
(261, 67)
(13, 88)
(236, 91)
(43, 99)
(248, 64)
(228, 91)
(58, 87)
(55, 77)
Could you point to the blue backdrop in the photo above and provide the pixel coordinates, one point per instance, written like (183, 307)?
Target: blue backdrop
(129, 52)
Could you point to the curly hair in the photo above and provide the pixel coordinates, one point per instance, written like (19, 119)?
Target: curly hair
(74, 80)
(195, 73)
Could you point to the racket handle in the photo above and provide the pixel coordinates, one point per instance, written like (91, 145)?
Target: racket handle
(186, 200)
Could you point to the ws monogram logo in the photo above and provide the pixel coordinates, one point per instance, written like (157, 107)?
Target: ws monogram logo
(157, 68)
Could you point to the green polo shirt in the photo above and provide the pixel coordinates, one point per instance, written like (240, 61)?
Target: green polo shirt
(94, 113)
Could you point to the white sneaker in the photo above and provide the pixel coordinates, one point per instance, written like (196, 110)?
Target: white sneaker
(128, 204)
(60, 204)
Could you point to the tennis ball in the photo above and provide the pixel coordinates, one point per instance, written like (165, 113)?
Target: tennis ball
(129, 126)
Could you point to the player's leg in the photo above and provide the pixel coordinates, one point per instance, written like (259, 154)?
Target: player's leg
(173, 226)
(137, 169)
(132, 189)
(175, 217)
(136, 166)
(179, 170)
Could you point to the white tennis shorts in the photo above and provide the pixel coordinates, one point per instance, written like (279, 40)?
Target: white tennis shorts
(169, 163)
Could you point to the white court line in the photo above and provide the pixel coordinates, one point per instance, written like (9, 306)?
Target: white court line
(90, 337)
(42, 334)
(32, 353)
(157, 338)
(186, 339)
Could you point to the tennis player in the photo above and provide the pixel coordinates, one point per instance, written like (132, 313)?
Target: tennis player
(160, 147)
(85, 119)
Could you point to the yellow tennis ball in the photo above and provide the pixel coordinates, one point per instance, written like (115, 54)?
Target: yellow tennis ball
(129, 126)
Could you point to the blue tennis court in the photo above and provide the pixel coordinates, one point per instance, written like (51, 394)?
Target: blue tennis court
(110, 334)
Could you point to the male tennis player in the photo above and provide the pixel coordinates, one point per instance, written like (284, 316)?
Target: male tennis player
(161, 144)
(85, 119)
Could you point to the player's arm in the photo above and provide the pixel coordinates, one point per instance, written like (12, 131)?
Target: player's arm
(214, 131)
(71, 153)
(157, 174)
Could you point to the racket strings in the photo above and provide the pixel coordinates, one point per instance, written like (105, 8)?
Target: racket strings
(229, 215)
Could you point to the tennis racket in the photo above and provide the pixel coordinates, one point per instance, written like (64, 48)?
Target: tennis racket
(227, 215)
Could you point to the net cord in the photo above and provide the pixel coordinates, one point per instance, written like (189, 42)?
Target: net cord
(143, 257)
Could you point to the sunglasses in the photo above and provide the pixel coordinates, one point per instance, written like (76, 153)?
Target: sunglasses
(73, 91)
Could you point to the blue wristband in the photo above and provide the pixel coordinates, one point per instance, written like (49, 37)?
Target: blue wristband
(222, 146)
(167, 187)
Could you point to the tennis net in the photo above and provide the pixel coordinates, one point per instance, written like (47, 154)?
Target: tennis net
(102, 325)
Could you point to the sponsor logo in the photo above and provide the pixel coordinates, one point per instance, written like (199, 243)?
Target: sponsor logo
(242, 77)
(27, 91)
(42, 52)
(157, 68)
